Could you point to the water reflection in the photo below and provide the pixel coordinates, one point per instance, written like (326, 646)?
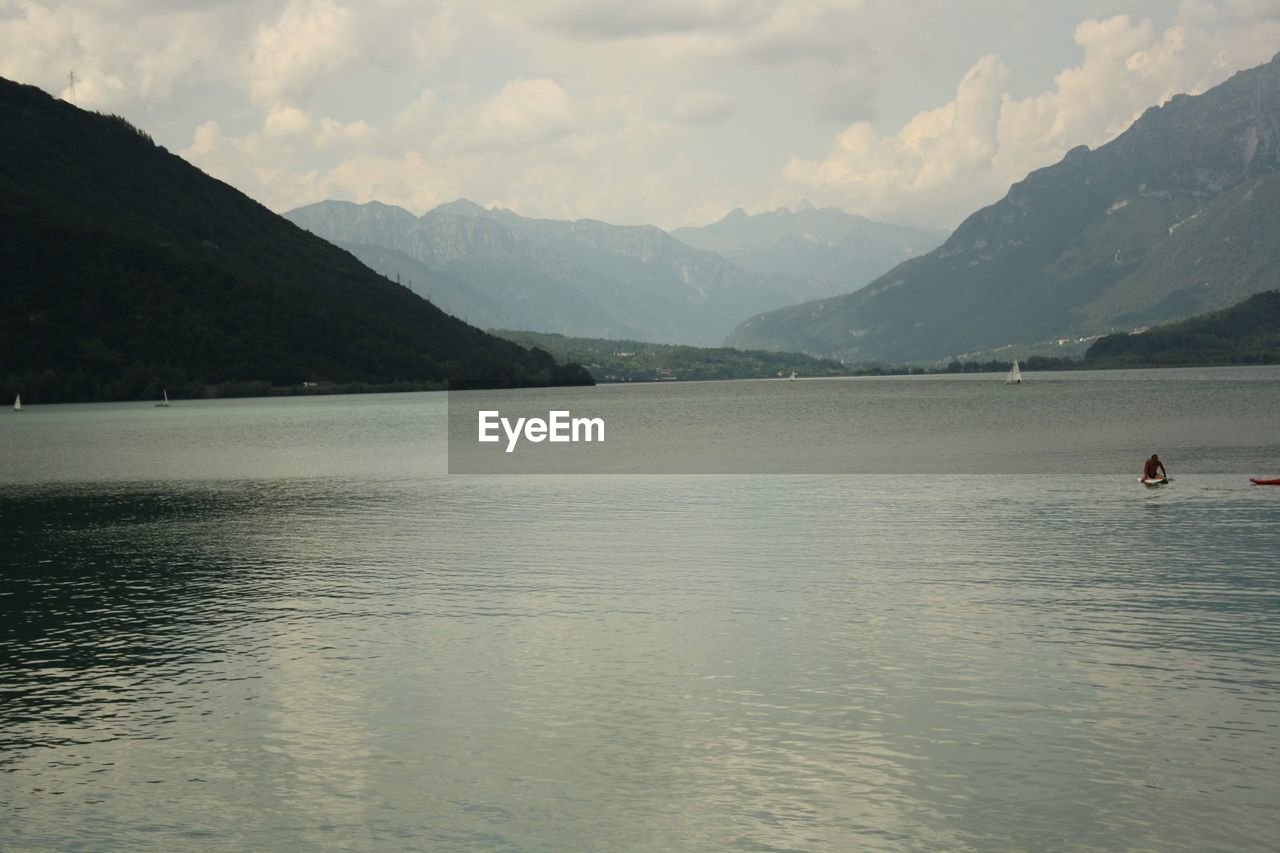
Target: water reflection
(639, 662)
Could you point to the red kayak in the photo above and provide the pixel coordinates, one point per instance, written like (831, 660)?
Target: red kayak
(1274, 481)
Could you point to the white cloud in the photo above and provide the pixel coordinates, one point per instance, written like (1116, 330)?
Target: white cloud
(310, 40)
(285, 121)
(267, 159)
(946, 162)
(206, 141)
(939, 155)
(335, 134)
(311, 45)
(523, 112)
(410, 181)
(672, 111)
(118, 60)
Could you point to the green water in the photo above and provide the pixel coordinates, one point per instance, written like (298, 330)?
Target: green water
(278, 623)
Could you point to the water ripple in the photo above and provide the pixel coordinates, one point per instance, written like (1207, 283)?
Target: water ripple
(639, 663)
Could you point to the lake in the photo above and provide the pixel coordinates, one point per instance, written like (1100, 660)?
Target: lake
(891, 613)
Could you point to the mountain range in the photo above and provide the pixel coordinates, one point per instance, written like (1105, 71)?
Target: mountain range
(841, 249)
(127, 270)
(590, 278)
(1178, 215)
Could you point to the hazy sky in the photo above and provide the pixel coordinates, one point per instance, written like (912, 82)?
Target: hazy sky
(669, 112)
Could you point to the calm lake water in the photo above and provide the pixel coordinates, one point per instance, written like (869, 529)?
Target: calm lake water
(264, 624)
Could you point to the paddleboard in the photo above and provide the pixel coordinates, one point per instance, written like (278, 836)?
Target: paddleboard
(1153, 481)
(1275, 481)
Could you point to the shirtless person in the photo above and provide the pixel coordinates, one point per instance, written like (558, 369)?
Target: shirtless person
(1152, 465)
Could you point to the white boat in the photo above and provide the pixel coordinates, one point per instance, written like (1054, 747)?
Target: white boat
(1015, 375)
(165, 403)
(793, 374)
(17, 403)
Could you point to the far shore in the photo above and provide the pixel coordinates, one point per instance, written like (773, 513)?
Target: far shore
(254, 390)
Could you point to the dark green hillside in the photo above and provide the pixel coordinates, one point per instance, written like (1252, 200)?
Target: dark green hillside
(126, 269)
(638, 361)
(1248, 333)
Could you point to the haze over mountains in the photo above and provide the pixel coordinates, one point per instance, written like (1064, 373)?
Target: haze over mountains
(590, 278)
(1178, 215)
(842, 249)
(126, 269)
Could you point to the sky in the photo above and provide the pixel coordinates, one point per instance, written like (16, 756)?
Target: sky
(666, 112)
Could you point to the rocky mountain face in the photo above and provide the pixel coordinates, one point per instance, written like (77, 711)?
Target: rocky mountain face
(1178, 215)
(589, 278)
(844, 250)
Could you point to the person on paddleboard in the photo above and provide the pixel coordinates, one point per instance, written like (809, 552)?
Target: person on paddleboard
(1152, 465)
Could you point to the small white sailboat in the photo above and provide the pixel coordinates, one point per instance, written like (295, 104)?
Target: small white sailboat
(165, 403)
(1015, 375)
(793, 375)
(17, 403)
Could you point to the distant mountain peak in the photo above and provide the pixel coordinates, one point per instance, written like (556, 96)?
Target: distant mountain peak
(460, 207)
(841, 249)
(375, 207)
(314, 216)
(580, 276)
(1075, 153)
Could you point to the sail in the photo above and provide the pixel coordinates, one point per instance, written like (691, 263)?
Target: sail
(1015, 375)
(17, 403)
